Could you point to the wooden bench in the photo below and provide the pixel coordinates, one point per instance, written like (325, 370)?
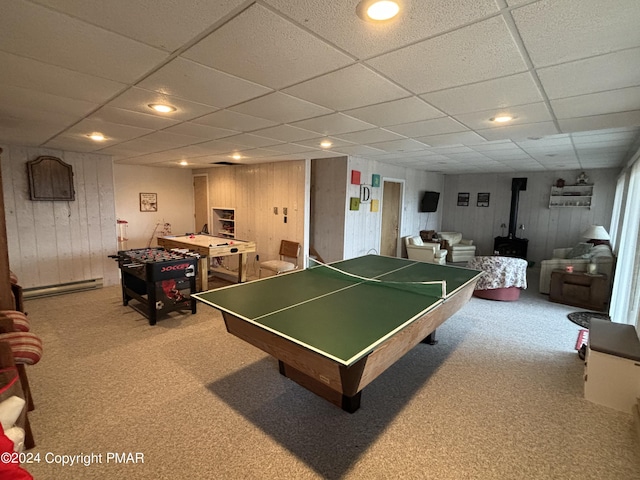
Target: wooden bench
(612, 365)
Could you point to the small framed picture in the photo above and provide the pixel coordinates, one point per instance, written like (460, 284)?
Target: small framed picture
(483, 199)
(463, 199)
(148, 202)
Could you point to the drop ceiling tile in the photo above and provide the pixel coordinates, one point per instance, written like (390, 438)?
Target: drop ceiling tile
(554, 32)
(114, 133)
(406, 145)
(166, 25)
(19, 72)
(22, 98)
(598, 122)
(424, 128)
(291, 148)
(496, 146)
(359, 150)
(607, 131)
(281, 108)
(333, 124)
(22, 117)
(492, 94)
(198, 83)
(592, 75)
(234, 121)
(135, 119)
(461, 138)
(77, 45)
(405, 110)
(287, 133)
(532, 113)
(23, 131)
(214, 147)
(519, 132)
(172, 140)
(474, 53)
(202, 131)
(597, 103)
(132, 148)
(370, 136)
(138, 100)
(262, 46)
(73, 143)
(315, 142)
(350, 87)
(251, 140)
(612, 135)
(339, 24)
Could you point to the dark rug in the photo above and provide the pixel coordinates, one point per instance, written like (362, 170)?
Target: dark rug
(582, 318)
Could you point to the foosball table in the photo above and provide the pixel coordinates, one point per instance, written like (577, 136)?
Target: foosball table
(160, 280)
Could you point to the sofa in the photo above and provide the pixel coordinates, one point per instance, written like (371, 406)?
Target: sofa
(425, 251)
(579, 257)
(460, 249)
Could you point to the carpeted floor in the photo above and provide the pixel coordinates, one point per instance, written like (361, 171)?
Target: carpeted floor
(499, 397)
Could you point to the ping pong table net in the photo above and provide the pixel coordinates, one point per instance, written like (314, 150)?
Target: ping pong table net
(437, 288)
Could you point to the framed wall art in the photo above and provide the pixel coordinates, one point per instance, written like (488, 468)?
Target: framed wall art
(483, 199)
(148, 202)
(463, 199)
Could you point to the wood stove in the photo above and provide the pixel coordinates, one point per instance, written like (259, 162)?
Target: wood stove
(511, 246)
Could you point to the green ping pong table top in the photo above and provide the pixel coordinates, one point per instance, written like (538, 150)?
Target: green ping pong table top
(340, 315)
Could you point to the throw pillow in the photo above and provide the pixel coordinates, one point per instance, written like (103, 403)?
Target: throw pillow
(581, 250)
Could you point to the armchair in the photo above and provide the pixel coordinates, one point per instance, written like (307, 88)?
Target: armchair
(424, 251)
(460, 249)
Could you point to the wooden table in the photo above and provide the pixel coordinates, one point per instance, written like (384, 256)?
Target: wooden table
(210, 246)
(579, 289)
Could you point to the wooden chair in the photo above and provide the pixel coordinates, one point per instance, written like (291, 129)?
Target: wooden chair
(288, 251)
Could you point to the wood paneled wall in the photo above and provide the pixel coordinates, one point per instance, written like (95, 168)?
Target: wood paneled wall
(546, 228)
(254, 191)
(49, 242)
(327, 212)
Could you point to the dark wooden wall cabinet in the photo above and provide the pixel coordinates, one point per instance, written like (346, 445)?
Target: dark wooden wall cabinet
(579, 289)
(50, 179)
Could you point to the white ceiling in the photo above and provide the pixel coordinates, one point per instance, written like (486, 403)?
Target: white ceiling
(270, 79)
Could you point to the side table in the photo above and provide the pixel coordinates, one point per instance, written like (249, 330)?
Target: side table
(579, 289)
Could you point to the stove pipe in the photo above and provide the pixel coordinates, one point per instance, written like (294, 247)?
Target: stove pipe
(517, 185)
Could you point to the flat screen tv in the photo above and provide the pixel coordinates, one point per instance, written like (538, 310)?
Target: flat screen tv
(429, 202)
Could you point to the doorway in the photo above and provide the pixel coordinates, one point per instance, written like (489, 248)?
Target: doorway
(201, 203)
(391, 218)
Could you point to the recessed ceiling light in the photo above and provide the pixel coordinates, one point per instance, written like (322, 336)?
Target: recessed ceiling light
(236, 156)
(162, 108)
(184, 162)
(502, 118)
(97, 136)
(378, 11)
(325, 144)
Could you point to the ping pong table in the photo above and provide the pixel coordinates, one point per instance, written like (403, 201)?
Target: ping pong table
(334, 328)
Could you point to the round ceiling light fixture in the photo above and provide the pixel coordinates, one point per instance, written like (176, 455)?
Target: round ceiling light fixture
(236, 156)
(502, 118)
(325, 144)
(184, 162)
(377, 10)
(162, 108)
(97, 136)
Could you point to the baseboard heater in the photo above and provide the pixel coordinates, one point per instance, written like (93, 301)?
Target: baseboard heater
(62, 288)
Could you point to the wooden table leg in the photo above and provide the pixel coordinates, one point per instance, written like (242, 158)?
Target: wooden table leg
(204, 273)
(242, 267)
